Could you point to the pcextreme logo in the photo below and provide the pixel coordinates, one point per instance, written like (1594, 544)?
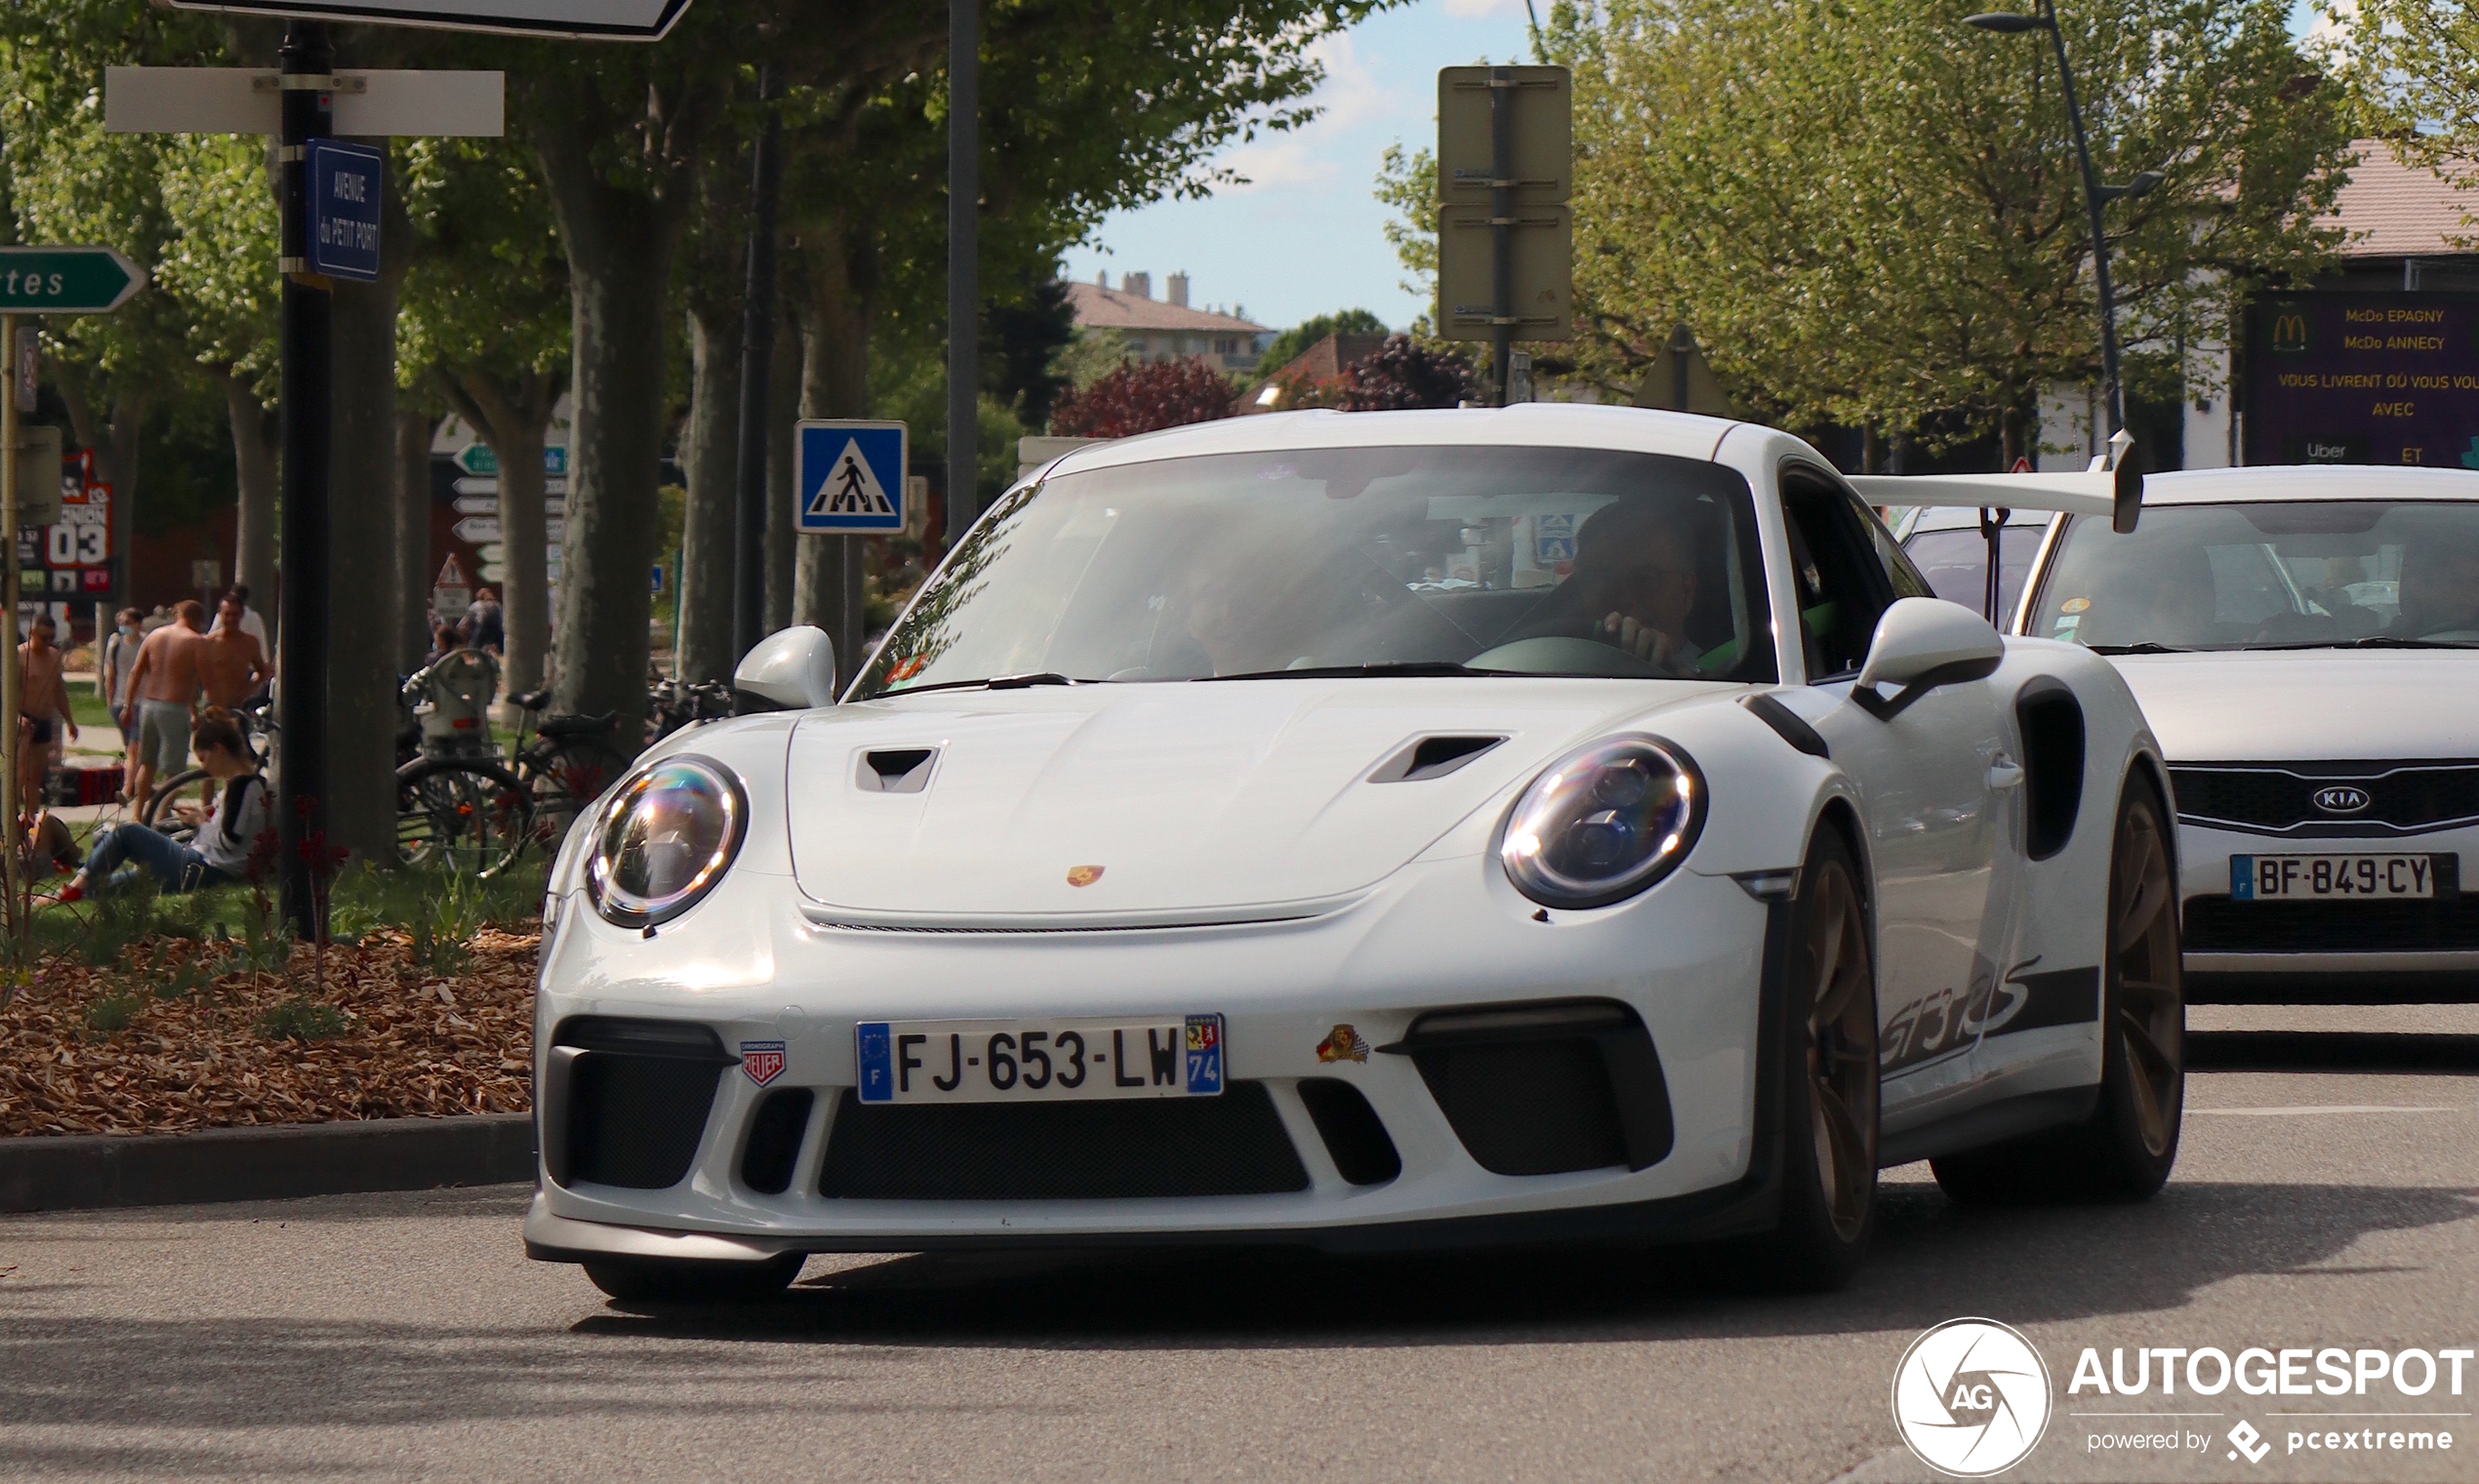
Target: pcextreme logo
(1971, 1397)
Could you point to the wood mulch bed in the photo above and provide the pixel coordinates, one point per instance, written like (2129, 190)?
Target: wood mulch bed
(393, 1039)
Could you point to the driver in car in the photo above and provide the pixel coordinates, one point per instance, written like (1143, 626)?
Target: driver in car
(1633, 585)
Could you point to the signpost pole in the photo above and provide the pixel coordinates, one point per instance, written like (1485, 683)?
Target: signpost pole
(11, 701)
(1501, 230)
(757, 364)
(307, 62)
(963, 264)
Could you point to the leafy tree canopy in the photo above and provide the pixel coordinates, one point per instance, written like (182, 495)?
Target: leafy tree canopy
(1288, 345)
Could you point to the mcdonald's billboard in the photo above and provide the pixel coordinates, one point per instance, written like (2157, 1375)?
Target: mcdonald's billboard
(2361, 378)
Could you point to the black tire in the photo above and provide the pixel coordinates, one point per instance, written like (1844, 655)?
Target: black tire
(674, 1280)
(2126, 1150)
(1828, 1080)
(161, 817)
(462, 813)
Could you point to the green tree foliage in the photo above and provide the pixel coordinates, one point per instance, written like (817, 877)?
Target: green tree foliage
(1871, 213)
(2414, 66)
(1307, 331)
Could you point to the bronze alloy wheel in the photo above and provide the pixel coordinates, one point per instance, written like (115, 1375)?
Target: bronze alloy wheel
(1842, 1049)
(2146, 1003)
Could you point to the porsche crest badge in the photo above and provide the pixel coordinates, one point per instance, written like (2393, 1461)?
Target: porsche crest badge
(1083, 876)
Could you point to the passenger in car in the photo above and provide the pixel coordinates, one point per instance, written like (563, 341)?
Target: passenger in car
(2440, 590)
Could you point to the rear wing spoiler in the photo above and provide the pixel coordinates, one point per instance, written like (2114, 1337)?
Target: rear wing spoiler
(2115, 493)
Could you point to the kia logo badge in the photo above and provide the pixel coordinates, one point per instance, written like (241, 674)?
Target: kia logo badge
(2341, 800)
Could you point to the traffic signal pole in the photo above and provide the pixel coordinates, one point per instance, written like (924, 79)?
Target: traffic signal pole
(756, 393)
(963, 265)
(1501, 230)
(307, 62)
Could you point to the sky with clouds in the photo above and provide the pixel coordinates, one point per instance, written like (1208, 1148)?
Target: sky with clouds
(1304, 235)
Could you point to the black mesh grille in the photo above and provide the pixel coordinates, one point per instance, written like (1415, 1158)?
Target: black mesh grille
(1153, 1148)
(2219, 925)
(774, 1140)
(1535, 1107)
(2282, 798)
(1354, 1135)
(635, 1121)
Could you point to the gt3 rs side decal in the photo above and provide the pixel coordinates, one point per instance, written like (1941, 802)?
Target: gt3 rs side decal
(1942, 1023)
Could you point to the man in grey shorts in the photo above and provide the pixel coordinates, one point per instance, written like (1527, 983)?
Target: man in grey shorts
(163, 686)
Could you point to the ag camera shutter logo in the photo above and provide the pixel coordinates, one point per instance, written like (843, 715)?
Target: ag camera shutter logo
(1972, 1397)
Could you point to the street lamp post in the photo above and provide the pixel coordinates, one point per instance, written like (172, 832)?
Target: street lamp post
(2012, 23)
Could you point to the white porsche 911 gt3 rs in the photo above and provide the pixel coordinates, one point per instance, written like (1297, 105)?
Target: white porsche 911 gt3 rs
(1362, 831)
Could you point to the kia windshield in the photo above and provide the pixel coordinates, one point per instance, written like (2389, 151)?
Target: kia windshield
(1404, 561)
(2269, 575)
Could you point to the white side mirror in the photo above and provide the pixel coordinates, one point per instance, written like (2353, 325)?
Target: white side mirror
(792, 668)
(1930, 641)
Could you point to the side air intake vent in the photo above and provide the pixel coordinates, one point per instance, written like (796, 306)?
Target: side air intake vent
(897, 770)
(1432, 757)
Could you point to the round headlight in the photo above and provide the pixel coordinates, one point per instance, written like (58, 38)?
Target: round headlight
(1603, 823)
(665, 837)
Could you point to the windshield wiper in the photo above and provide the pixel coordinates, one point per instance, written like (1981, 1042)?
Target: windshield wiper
(993, 683)
(1375, 668)
(2139, 647)
(2371, 641)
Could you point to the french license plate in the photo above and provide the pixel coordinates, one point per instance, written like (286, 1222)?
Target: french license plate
(2323, 878)
(1039, 1061)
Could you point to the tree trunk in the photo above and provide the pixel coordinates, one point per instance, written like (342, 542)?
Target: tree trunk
(256, 448)
(834, 309)
(1871, 448)
(619, 246)
(707, 576)
(515, 422)
(783, 397)
(416, 428)
(2009, 424)
(362, 622)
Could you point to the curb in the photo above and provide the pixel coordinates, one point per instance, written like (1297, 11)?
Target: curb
(84, 1172)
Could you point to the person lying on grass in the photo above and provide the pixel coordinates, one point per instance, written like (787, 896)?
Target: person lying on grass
(222, 852)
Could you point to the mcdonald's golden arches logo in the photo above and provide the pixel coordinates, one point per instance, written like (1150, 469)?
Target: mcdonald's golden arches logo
(2290, 331)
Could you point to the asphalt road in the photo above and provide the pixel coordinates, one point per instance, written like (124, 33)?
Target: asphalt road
(406, 1337)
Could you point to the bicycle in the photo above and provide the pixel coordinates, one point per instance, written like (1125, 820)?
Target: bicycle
(672, 705)
(569, 763)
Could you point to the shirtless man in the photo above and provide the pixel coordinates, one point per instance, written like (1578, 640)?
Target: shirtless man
(231, 666)
(162, 687)
(43, 702)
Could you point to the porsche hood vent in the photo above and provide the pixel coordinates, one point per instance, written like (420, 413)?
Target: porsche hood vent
(895, 770)
(1432, 757)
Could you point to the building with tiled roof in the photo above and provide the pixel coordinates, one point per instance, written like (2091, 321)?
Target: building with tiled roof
(1169, 328)
(2407, 226)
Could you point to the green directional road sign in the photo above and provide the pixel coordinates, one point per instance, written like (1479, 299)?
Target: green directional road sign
(66, 280)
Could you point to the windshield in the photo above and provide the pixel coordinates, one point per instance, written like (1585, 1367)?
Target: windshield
(2268, 576)
(1524, 561)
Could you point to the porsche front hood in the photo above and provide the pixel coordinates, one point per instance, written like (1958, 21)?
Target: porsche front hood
(2310, 706)
(1168, 802)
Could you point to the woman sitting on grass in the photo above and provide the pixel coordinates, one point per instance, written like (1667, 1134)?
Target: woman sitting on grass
(221, 853)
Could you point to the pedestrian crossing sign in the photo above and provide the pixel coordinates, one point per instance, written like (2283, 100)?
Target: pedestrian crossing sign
(850, 477)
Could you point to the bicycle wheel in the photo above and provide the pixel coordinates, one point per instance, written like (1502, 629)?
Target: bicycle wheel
(563, 780)
(159, 813)
(464, 815)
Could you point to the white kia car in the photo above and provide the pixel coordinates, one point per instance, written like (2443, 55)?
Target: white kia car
(1362, 831)
(2305, 642)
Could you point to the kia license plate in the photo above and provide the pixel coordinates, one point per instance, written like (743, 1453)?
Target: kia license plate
(1057, 1060)
(2331, 878)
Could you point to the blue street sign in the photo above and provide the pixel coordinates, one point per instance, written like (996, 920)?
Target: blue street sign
(344, 208)
(850, 477)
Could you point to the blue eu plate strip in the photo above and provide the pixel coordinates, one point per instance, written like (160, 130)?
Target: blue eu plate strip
(878, 1069)
(1204, 1055)
(2242, 878)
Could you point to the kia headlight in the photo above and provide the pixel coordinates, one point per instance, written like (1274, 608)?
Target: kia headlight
(664, 838)
(1603, 823)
